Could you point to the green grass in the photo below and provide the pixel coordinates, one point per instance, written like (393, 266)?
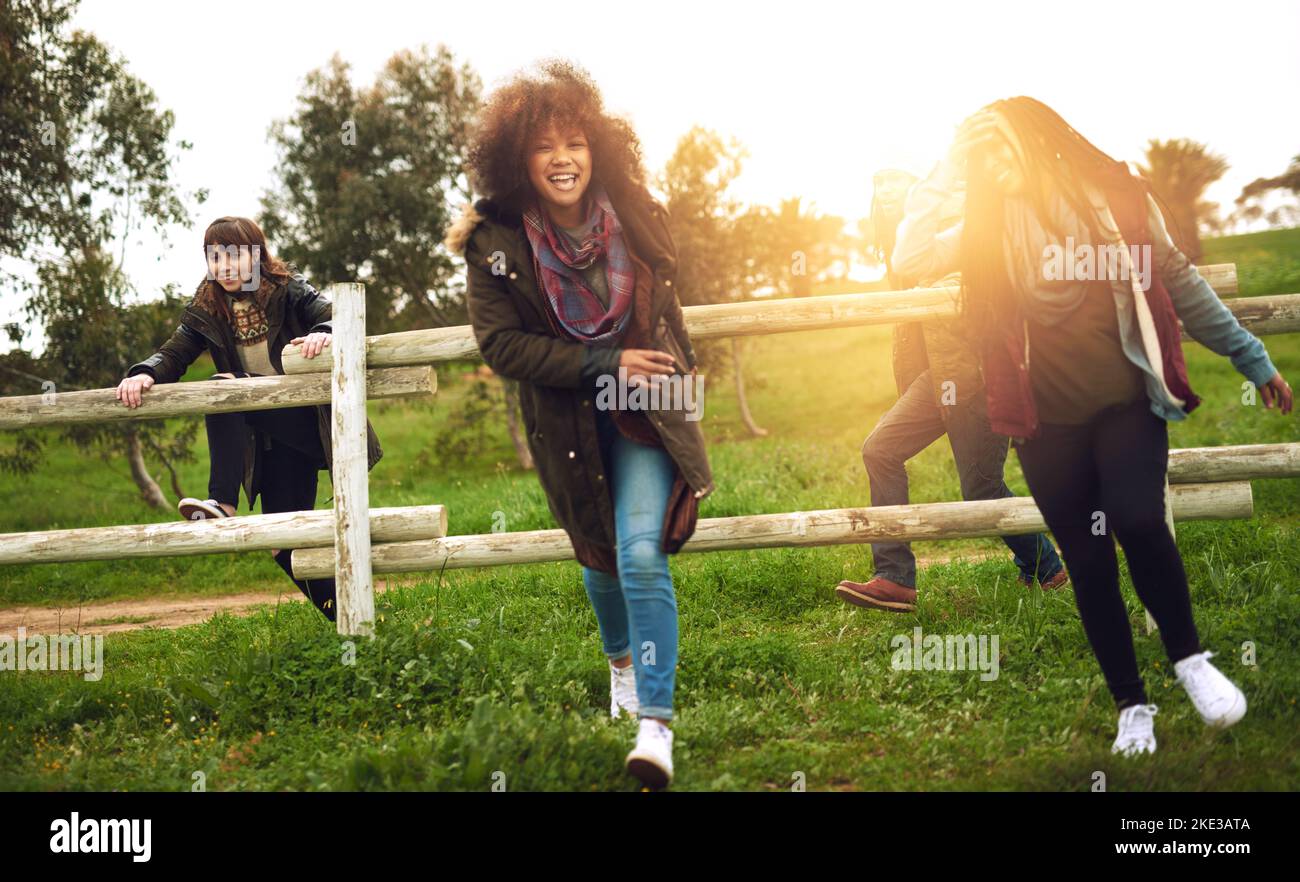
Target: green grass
(499, 670)
(1267, 263)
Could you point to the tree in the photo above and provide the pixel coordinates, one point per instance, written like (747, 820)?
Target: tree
(716, 252)
(703, 216)
(1179, 171)
(1249, 205)
(367, 181)
(1288, 180)
(92, 162)
(794, 247)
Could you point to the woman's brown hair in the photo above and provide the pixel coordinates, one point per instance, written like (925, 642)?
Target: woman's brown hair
(225, 232)
(555, 92)
(1054, 158)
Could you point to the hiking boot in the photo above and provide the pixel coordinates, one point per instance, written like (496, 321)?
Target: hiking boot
(1058, 581)
(879, 593)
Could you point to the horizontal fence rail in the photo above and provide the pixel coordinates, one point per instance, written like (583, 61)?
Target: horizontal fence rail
(294, 529)
(1221, 276)
(314, 529)
(903, 523)
(205, 396)
(1261, 315)
(1235, 462)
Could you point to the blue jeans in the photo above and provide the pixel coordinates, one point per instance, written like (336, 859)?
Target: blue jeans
(916, 421)
(637, 609)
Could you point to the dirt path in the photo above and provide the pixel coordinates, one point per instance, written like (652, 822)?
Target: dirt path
(116, 616)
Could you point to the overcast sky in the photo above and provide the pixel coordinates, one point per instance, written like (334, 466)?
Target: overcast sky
(819, 93)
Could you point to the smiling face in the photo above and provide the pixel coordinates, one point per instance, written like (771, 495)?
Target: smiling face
(559, 167)
(232, 265)
(890, 188)
(1002, 163)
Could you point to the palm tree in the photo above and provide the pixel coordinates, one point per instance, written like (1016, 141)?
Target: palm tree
(1179, 171)
(1249, 203)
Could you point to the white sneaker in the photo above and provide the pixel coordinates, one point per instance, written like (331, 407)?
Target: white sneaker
(1217, 699)
(1137, 732)
(651, 761)
(622, 691)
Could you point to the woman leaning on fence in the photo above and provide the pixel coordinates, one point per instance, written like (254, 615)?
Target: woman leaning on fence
(571, 270)
(248, 307)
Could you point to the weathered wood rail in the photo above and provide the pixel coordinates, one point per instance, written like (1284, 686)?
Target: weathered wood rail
(293, 529)
(1262, 315)
(205, 396)
(905, 523)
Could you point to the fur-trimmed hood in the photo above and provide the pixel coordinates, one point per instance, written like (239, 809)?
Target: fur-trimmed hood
(462, 228)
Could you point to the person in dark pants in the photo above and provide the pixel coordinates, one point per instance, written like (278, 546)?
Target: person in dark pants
(247, 309)
(907, 428)
(1115, 464)
(292, 460)
(936, 369)
(1084, 368)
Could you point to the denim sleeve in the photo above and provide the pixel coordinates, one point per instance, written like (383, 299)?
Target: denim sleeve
(921, 251)
(1203, 314)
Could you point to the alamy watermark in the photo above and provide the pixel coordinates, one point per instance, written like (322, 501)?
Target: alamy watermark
(683, 392)
(242, 262)
(1087, 262)
(76, 835)
(54, 652)
(946, 652)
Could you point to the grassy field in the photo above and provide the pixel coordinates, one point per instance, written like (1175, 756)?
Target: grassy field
(500, 671)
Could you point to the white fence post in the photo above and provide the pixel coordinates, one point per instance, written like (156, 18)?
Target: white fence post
(355, 597)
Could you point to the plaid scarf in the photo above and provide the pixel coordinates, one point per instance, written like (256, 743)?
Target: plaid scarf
(574, 305)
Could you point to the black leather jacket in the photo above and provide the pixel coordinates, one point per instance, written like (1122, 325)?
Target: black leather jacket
(294, 309)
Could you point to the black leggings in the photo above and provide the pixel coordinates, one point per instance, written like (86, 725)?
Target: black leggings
(1108, 476)
(288, 475)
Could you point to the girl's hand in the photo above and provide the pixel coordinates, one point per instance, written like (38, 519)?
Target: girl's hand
(643, 364)
(313, 344)
(1277, 391)
(130, 390)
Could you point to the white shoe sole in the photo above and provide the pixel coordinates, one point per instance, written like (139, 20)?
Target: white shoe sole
(198, 510)
(1232, 715)
(648, 771)
(1132, 751)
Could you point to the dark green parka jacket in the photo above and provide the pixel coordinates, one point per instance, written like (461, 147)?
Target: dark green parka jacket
(556, 375)
(293, 309)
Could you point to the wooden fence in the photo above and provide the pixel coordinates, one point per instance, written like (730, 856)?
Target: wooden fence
(353, 541)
